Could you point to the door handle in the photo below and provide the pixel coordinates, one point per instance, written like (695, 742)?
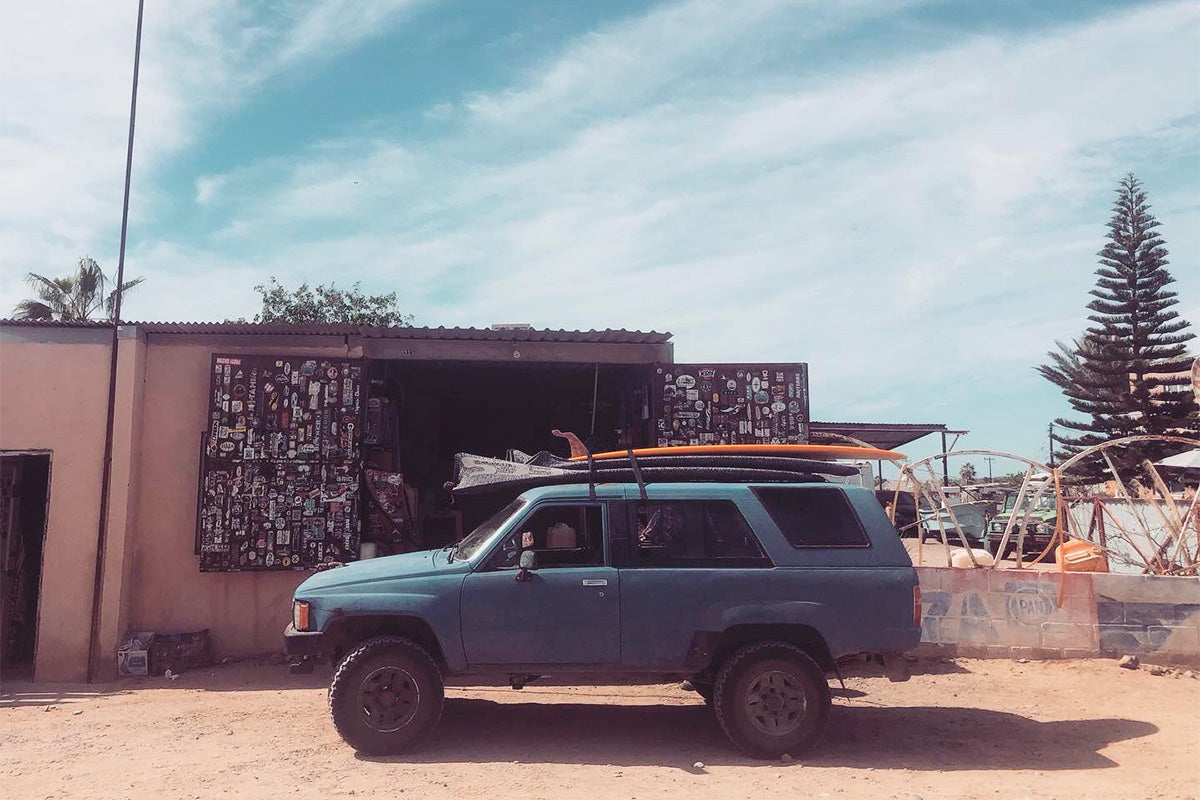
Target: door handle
(595, 582)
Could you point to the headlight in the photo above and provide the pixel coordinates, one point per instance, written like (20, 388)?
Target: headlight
(300, 615)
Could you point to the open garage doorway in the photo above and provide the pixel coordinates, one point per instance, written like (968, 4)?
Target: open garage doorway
(24, 491)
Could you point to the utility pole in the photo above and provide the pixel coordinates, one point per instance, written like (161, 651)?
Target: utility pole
(945, 463)
(1050, 433)
(989, 460)
(106, 464)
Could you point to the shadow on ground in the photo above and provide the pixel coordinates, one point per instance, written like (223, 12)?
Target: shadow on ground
(481, 731)
(42, 696)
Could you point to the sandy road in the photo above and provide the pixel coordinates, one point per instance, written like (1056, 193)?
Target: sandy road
(972, 729)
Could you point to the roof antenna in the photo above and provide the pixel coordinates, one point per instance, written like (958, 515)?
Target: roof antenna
(637, 473)
(591, 472)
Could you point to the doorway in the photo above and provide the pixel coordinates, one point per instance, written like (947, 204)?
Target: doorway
(24, 492)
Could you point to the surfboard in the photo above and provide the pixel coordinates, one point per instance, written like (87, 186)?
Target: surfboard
(816, 452)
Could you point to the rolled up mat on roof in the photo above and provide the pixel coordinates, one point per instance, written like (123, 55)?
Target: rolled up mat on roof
(480, 475)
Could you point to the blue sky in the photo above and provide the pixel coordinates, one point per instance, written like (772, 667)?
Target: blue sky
(906, 195)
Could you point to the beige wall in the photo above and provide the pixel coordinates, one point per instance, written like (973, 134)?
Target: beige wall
(54, 396)
(245, 612)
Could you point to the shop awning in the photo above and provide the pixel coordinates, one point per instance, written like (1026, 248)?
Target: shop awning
(884, 435)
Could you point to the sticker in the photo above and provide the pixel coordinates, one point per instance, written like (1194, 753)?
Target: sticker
(708, 374)
(755, 384)
(778, 406)
(731, 384)
(761, 397)
(699, 405)
(693, 394)
(685, 382)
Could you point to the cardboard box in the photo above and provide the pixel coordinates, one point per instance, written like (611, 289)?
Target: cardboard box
(133, 657)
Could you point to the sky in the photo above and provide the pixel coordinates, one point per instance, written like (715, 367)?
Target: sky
(906, 195)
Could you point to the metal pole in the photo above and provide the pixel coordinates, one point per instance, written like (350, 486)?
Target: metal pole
(945, 463)
(1050, 432)
(595, 394)
(106, 471)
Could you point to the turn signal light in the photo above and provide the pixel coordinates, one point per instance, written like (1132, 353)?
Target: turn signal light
(300, 616)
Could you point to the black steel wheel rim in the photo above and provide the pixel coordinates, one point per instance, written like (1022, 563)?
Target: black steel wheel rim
(775, 702)
(388, 698)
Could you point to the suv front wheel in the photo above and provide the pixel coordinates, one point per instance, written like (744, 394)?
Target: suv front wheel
(386, 695)
(771, 699)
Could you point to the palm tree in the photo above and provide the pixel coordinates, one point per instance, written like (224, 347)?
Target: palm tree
(75, 297)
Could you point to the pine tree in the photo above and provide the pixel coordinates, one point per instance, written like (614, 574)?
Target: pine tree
(1128, 372)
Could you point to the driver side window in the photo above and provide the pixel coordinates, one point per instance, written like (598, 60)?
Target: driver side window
(562, 535)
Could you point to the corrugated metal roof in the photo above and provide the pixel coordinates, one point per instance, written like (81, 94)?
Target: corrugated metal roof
(608, 336)
(930, 426)
(54, 323)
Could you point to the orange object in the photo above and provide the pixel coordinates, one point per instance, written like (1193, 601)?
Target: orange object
(1076, 555)
(826, 452)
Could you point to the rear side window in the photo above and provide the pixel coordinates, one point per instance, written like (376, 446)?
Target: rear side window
(695, 533)
(813, 517)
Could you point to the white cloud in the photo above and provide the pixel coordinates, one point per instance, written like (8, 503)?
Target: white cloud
(796, 222)
(899, 221)
(65, 70)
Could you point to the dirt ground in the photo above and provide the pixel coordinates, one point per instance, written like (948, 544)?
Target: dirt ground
(967, 728)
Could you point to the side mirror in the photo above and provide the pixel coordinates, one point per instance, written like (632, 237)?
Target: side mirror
(528, 563)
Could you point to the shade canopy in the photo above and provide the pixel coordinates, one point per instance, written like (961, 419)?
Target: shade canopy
(1188, 459)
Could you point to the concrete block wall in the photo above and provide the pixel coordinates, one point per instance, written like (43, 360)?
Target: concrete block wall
(1031, 614)
(1149, 615)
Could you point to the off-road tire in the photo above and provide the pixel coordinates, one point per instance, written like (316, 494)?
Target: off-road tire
(751, 673)
(384, 660)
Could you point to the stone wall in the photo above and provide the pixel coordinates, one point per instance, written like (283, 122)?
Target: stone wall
(1031, 614)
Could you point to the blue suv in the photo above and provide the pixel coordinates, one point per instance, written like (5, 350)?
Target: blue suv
(752, 593)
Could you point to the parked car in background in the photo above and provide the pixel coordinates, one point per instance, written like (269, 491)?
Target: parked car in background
(1039, 525)
(972, 518)
(753, 593)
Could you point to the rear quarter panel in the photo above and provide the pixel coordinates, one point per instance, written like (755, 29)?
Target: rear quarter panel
(858, 598)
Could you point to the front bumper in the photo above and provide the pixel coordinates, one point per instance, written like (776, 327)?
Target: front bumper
(302, 643)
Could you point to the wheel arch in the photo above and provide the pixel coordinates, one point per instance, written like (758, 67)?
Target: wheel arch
(346, 631)
(804, 636)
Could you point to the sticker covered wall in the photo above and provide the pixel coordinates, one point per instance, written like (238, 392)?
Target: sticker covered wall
(279, 484)
(731, 404)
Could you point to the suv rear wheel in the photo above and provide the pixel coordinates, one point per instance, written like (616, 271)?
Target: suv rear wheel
(771, 698)
(386, 695)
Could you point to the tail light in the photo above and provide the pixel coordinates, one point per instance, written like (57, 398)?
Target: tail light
(917, 605)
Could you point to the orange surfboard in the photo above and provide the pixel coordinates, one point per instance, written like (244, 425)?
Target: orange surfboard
(824, 452)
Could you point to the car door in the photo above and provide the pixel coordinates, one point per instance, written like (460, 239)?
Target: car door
(567, 612)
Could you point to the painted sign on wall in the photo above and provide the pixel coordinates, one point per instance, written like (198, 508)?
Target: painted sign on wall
(279, 483)
(731, 404)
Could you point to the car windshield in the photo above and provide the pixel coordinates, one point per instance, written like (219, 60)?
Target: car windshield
(1046, 502)
(471, 543)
